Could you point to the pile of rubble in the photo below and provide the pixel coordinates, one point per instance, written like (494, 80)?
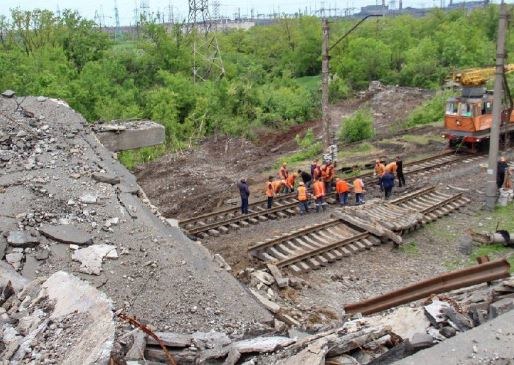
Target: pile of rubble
(68, 205)
(58, 320)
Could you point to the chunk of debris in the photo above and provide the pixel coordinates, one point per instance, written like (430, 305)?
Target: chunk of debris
(221, 261)
(500, 307)
(282, 282)
(22, 239)
(14, 259)
(268, 304)
(8, 93)
(106, 178)
(88, 198)
(91, 257)
(66, 233)
(421, 341)
(263, 277)
(262, 344)
(314, 354)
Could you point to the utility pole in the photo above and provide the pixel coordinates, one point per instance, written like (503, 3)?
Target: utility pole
(325, 73)
(497, 110)
(324, 85)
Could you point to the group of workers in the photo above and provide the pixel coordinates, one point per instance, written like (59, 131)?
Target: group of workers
(321, 180)
(386, 175)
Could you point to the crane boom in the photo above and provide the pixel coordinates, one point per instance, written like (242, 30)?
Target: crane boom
(474, 77)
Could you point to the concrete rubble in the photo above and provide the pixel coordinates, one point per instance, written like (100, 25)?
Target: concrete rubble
(119, 136)
(68, 204)
(60, 320)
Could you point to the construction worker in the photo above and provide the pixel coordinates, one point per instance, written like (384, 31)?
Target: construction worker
(277, 186)
(358, 189)
(306, 178)
(391, 167)
(313, 166)
(342, 190)
(244, 191)
(318, 190)
(399, 171)
(283, 173)
(388, 184)
(328, 177)
(500, 172)
(303, 198)
(379, 171)
(290, 182)
(316, 173)
(270, 191)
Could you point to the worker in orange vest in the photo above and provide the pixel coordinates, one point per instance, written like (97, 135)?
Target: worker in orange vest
(318, 190)
(379, 171)
(277, 186)
(342, 190)
(290, 182)
(270, 191)
(328, 177)
(303, 198)
(390, 167)
(283, 173)
(316, 173)
(358, 189)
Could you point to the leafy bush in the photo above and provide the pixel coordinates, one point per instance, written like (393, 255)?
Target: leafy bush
(357, 127)
(431, 111)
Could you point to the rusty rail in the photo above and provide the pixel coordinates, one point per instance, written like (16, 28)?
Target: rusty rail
(453, 280)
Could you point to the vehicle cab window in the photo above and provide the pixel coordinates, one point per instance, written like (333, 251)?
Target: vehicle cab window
(451, 108)
(465, 110)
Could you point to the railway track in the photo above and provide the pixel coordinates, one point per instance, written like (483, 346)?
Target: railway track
(317, 245)
(229, 219)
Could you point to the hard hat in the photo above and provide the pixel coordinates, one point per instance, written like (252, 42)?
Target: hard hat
(301, 183)
(284, 163)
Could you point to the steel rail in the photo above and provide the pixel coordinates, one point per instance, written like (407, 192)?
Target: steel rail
(295, 234)
(306, 254)
(453, 280)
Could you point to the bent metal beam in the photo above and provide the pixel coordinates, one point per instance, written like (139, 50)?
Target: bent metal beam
(453, 280)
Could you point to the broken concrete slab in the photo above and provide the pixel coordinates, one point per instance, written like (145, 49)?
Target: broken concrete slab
(66, 233)
(74, 296)
(434, 311)
(14, 259)
(91, 257)
(268, 304)
(130, 135)
(106, 178)
(421, 340)
(501, 306)
(404, 321)
(8, 93)
(282, 282)
(7, 273)
(263, 277)
(262, 344)
(22, 239)
(314, 354)
(137, 349)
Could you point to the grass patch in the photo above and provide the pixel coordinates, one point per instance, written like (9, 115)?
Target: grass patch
(310, 83)
(410, 248)
(422, 139)
(131, 158)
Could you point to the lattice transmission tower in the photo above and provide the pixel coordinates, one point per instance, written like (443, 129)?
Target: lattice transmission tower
(207, 61)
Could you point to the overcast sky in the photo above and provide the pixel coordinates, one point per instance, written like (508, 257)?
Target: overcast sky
(87, 8)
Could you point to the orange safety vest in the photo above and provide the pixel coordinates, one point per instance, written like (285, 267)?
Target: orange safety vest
(379, 169)
(290, 181)
(270, 191)
(391, 167)
(358, 186)
(318, 189)
(342, 186)
(282, 173)
(329, 173)
(276, 185)
(302, 193)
